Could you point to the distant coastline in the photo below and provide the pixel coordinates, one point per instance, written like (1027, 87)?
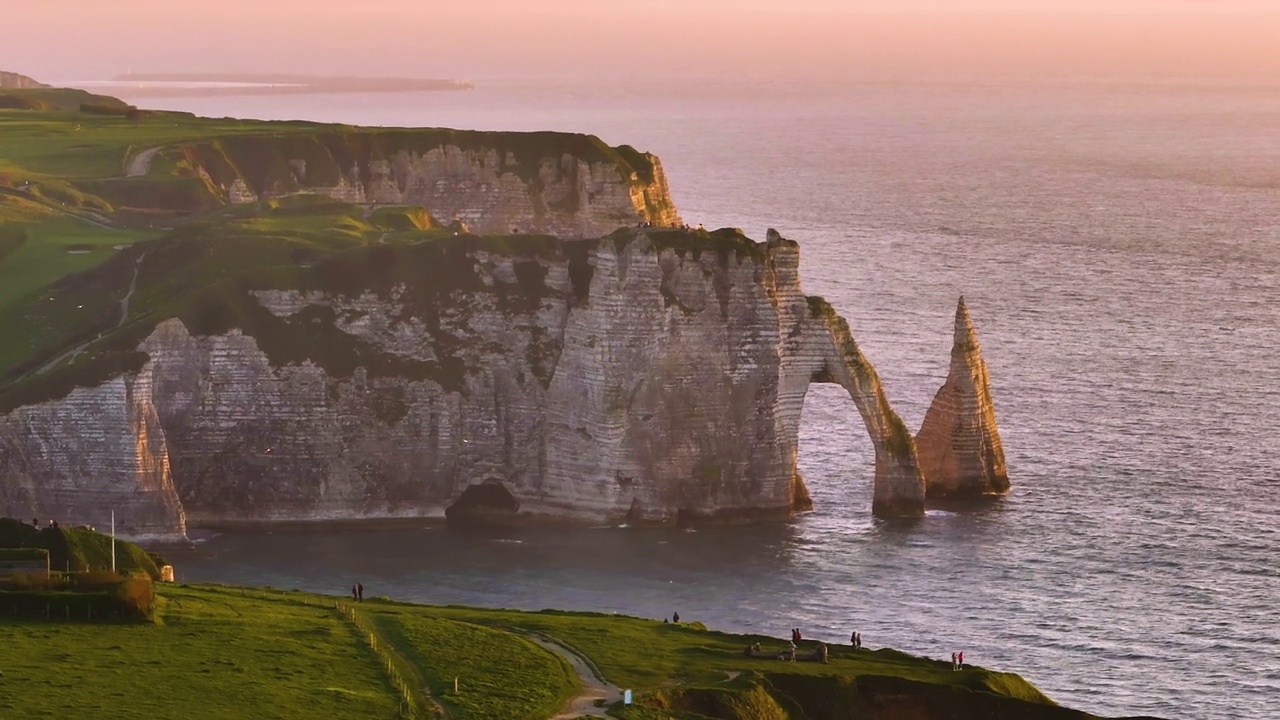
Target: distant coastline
(229, 84)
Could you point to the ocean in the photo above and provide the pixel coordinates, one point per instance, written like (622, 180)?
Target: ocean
(1118, 244)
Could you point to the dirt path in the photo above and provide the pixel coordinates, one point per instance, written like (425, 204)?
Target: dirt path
(133, 285)
(124, 315)
(593, 687)
(141, 163)
(85, 216)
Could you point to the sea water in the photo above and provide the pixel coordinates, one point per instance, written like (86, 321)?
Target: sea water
(1118, 244)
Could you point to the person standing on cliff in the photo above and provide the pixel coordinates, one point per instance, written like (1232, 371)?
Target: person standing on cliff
(953, 662)
(359, 592)
(355, 594)
(675, 617)
(960, 659)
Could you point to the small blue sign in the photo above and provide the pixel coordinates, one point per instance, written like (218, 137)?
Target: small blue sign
(626, 697)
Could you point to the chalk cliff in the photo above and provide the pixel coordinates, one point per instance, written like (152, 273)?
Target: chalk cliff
(556, 183)
(959, 444)
(14, 81)
(647, 376)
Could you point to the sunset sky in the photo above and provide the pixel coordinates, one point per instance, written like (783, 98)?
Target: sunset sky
(90, 39)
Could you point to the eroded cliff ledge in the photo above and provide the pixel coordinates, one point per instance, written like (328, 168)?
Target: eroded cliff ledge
(557, 183)
(647, 376)
(959, 443)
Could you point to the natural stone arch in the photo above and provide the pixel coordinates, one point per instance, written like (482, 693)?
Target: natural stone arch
(818, 347)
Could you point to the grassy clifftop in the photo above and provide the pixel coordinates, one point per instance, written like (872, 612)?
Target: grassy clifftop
(83, 176)
(66, 143)
(78, 549)
(78, 332)
(259, 652)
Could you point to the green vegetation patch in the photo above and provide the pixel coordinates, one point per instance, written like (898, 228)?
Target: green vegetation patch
(78, 549)
(500, 675)
(212, 654)
(270, 653)
(12, 237)
(23, 554)
(60, 99)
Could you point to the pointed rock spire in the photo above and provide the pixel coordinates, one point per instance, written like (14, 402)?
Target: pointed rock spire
(958, 444)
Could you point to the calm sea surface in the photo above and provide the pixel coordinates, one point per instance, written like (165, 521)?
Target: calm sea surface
(1119, 246)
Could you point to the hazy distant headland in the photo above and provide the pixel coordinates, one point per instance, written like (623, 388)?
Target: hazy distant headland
(226, 84)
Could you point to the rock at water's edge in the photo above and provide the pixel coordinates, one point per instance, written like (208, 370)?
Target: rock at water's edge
(958, 444)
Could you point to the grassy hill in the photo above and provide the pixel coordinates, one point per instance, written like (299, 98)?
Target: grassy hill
(78, 549)
(217, 652)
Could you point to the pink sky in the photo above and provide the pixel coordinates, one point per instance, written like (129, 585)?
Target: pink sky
(91, 39)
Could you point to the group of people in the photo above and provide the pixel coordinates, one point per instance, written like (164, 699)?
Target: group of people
(855, 638)
(36, 522)
(957, 660)
(647, 224)
(357, 592)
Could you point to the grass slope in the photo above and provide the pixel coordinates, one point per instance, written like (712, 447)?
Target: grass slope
(212, 655)
(78, 549)
(220, 651)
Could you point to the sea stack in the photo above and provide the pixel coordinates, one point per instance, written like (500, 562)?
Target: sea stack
(958, 444)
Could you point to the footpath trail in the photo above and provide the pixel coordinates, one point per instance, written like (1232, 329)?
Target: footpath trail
(124, 315)
(413, 689)
(133, 287)
(594, 688)
(140, 164)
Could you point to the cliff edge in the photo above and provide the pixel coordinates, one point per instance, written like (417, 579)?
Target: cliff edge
(495, 183)
(647, 376)
(14, 81)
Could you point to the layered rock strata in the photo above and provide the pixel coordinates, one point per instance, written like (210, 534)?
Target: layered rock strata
(959, 444)
(564, 185)
(648, 376)
(14, 81)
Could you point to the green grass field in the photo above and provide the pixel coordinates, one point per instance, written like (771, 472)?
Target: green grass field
(218, 652)
(211, 655)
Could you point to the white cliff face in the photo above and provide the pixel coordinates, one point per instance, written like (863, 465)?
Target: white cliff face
(490, 191)
(12, 80)
(644, 377)
(959, 442)
(95, 451)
